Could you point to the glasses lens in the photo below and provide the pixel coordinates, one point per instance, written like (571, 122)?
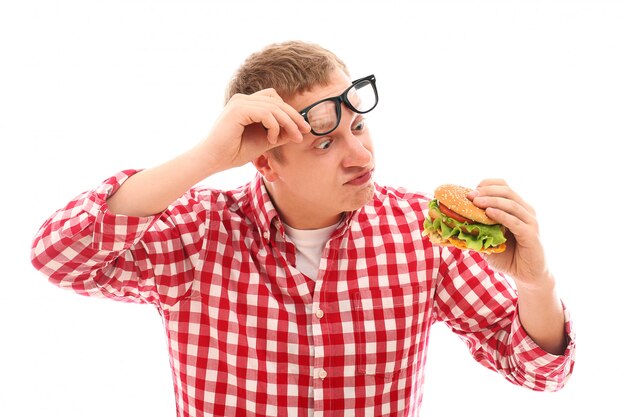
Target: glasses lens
(323, 117)
(362, 96)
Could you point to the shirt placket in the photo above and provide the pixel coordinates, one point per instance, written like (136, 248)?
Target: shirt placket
(321, 389)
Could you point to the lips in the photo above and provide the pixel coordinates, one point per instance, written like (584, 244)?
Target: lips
(361, 178)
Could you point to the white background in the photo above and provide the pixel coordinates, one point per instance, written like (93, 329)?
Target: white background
(530, 91)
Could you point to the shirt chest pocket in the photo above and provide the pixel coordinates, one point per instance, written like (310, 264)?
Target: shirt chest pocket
(386, 323)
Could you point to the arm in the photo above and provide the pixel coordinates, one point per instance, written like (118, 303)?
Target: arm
(85, 248)
(542, 316)
(119, 240)
(540, 309)
(481, 306)
(248, 127)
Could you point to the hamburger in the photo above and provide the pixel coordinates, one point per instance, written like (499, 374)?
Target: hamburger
(453, 220)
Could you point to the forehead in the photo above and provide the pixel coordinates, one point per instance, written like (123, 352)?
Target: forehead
(337, 83)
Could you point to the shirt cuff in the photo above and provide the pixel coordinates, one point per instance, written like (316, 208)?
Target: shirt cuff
(534, 359)
(114, 232)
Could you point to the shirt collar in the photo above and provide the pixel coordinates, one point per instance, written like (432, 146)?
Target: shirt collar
(262, 207)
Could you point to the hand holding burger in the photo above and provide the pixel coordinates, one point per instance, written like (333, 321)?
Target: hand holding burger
(453, 220)
(540, 310)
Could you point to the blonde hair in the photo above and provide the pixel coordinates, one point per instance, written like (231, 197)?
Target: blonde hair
(289, 67)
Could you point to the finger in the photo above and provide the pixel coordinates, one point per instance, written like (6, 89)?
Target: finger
(513, 224)
(267, 92)
(273, 129)
(522, 231)
(491, 181)
(481, 187)
(504, 210)
(264, 116)
(289, 128)
(274, 117)
(498, 188)
(271, 96)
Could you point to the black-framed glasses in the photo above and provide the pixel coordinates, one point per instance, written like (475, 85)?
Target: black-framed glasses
(324, 116)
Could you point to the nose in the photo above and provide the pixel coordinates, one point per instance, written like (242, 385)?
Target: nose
(358, 150)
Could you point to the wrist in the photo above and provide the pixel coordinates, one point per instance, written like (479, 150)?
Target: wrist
(201, 164)
(542, 290)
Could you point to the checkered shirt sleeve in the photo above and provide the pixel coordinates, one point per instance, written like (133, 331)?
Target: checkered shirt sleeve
(480, 306)
(86, 248)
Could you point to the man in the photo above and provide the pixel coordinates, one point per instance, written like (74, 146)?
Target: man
(309, 291)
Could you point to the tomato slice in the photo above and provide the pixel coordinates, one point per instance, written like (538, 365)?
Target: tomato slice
(446, 211)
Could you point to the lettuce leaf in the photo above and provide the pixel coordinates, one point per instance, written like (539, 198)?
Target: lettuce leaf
(488, 235)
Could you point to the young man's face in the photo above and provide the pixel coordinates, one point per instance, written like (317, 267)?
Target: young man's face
(317, 180)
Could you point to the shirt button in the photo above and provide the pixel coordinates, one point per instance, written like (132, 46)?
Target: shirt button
(266, 235)
(322, 374)
(319, 314)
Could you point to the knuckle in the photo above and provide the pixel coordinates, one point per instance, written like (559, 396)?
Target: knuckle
(270, 91)
(267, 114)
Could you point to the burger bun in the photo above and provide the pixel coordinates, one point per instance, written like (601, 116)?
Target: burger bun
(455, 198)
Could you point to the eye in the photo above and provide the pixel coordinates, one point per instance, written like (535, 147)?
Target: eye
(359, 125)
(325, 144)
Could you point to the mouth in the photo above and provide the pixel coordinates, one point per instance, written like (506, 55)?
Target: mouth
(361, 178)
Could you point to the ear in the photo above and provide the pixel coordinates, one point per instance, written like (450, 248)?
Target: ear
(265, 164)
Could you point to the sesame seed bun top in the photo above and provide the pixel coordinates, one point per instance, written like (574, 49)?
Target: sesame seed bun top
(455, 198)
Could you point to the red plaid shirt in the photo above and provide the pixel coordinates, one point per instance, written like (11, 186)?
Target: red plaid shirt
(251, 335)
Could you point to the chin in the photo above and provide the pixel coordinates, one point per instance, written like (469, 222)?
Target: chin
(363, 197)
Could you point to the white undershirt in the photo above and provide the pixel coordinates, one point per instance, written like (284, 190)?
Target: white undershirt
(309, 247)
